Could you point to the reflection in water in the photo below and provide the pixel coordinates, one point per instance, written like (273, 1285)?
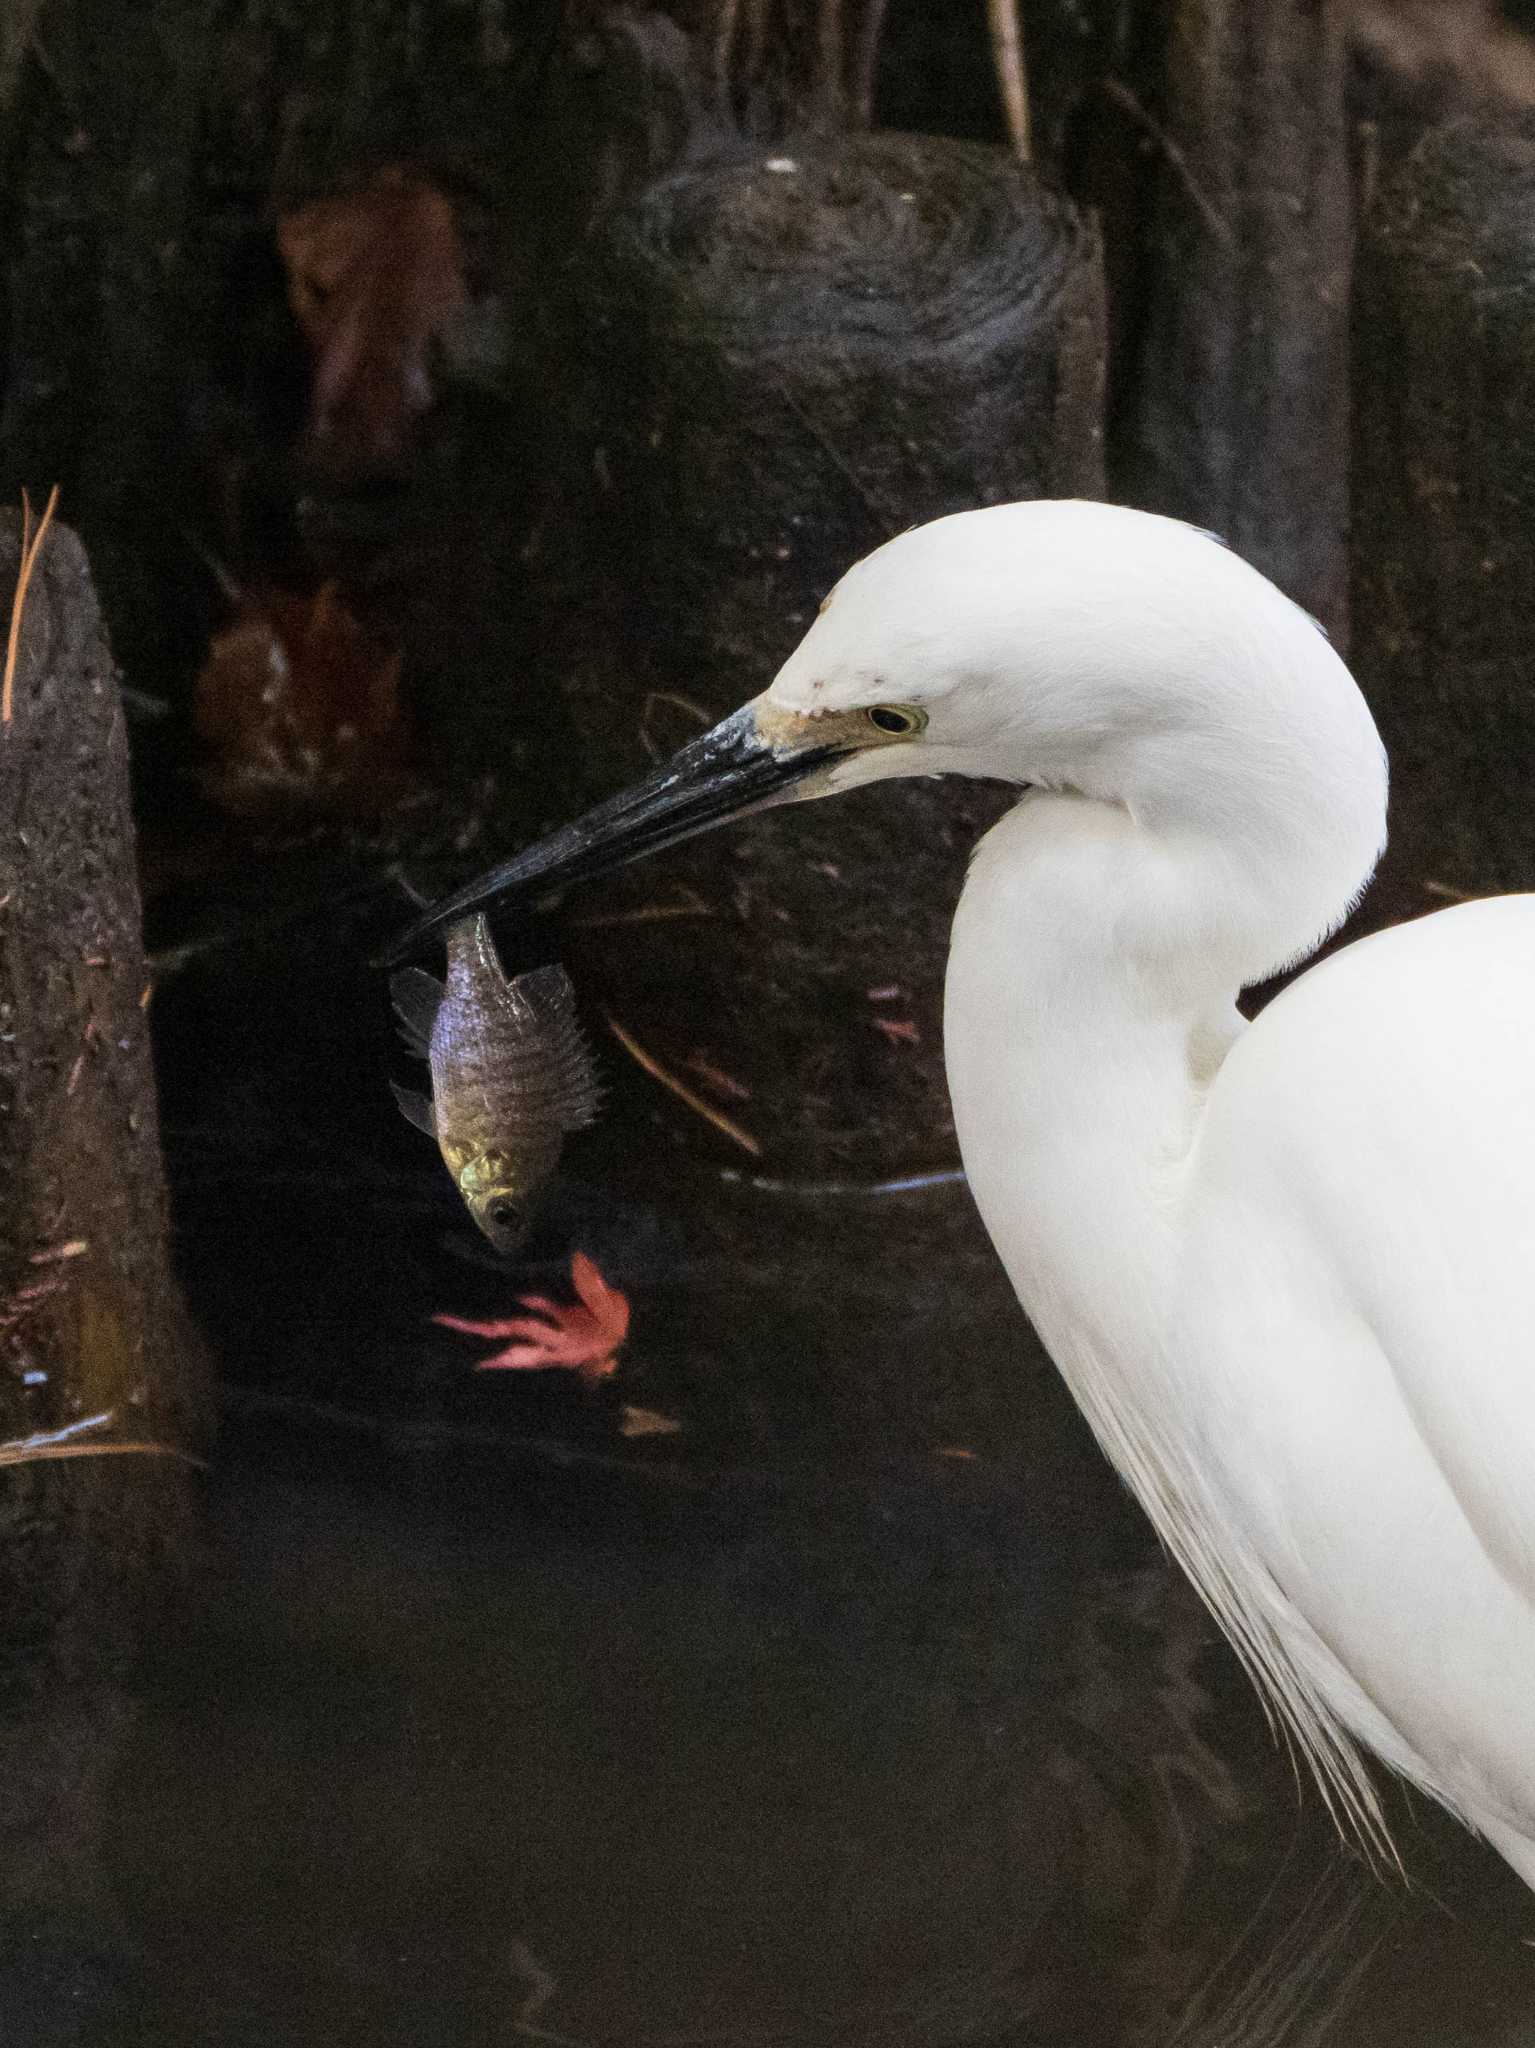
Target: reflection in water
(542, 1989)
(1287, 1982)
(1178, 1838)
(442, 1765)
(457, 1756)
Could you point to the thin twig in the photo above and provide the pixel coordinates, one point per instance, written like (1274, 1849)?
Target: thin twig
(30, 545)
(233, 595)
(866, 62)
(883, 513)
(1118, 91)
(681, 1090)
(18, 606)
(678, 703)
(1448, 891)
(647, 913)
(76, 1248)
(819, 1190)
(20, 1454)
(64, 1443)
(1012, 74)
(26, 1300)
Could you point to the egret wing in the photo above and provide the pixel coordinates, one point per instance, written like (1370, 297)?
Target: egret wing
(1423, 1181)
(1369, 1146)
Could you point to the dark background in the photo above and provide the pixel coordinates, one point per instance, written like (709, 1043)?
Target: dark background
(859, 1708)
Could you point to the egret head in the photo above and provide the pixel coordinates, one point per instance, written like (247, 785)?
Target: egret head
(1063, 645)
(1058, 644)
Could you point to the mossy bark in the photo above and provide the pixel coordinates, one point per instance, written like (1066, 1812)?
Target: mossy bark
(792, 359)
(90, 1321)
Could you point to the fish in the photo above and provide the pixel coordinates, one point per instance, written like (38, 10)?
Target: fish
(511, 1076)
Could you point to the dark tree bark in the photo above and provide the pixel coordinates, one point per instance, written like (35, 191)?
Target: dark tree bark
(1444, 518)
(90, 1321)
(793, 360)
(1233, 407)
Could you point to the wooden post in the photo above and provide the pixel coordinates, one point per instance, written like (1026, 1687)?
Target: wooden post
(796, 357)
(1444, 515)
(95, 1354)
(1234, 411)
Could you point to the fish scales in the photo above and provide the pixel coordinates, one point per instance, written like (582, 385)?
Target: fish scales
(507, 1056)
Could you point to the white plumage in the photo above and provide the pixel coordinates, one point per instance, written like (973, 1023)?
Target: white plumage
(1287, 1267)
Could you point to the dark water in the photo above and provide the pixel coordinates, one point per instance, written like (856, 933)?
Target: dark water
(859, 1713)
(460, 1754)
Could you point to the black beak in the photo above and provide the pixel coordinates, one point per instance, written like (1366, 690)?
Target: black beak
(730, 770)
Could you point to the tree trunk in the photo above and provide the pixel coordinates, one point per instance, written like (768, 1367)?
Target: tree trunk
(794, 359)
(1234, 406)
(92, 1333)
(1444, 516)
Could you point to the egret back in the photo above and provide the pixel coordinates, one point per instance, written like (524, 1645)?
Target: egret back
(1357, 1308)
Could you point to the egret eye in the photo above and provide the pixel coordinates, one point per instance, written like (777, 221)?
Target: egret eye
(897, 720)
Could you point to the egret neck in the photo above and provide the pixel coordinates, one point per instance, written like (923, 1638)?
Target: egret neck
(1104, 932)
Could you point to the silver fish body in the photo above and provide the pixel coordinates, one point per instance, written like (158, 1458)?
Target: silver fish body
(511, 1075)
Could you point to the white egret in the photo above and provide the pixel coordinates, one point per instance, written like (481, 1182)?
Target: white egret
(1288, 1267)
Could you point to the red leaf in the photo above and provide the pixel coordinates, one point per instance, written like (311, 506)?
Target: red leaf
(898, 1030)
(583, 1336)
(608, 1309)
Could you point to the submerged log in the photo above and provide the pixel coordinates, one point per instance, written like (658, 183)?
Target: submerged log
(1234, 411)
(795, 357)
(100, 1389)
(1444, 516)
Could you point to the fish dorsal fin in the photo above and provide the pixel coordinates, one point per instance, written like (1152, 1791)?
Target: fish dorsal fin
(415, 1109)
(548, 996)
(416, 996)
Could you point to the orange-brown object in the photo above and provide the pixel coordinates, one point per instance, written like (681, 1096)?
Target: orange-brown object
(299, 707)
(682, 1091)
(373, 276)
(31, 544)
(583, 1336)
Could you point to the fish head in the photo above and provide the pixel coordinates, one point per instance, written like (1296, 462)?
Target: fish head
(499, 1198)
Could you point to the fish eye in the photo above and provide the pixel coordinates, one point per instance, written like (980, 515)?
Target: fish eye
(898, 720)
(505, 1215)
